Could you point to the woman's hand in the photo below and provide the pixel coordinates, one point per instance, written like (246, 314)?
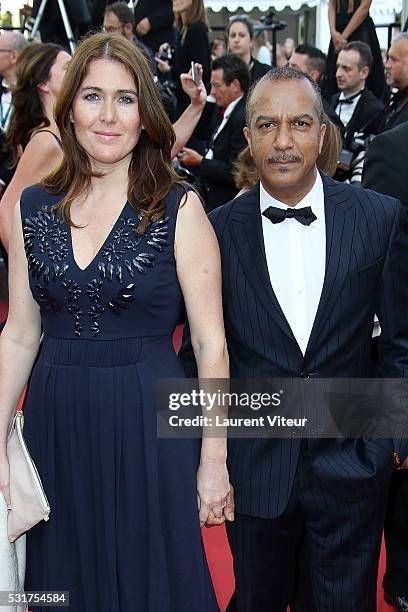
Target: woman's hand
(162, 65)
(339, 41)
(214, 494)
(5, 479)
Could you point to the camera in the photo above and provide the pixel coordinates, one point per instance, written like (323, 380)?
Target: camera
(359, 143)
(165, 54)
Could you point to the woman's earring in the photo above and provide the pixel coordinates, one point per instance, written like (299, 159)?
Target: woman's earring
(71, 117)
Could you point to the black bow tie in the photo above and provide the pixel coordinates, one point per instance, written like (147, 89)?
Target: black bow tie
(305, 216)
(350, 99)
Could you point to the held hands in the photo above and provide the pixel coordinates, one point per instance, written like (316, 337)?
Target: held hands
(215, 495)
(143, 27)
(196, 93)
(189, 157)
(5, 479)
(339, 41)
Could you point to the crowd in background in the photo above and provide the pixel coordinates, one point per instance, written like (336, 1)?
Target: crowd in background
(365, 90)
(203, 78)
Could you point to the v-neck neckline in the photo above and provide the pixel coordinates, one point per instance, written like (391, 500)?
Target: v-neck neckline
(102, 245)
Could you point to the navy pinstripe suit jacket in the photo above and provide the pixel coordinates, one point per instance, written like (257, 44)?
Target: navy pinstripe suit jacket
(366, 273)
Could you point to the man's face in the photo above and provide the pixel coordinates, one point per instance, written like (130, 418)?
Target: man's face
(223, 94)
(8, 55)
(112, 23)
(350, 77)
(285, 135)
(396, 66)
(299, 60)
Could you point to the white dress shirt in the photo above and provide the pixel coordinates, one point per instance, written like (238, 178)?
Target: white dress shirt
(6, 107)
(227, 115)
(345, 111)
(296, 259)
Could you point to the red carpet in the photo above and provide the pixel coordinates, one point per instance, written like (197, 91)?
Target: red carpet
(216, 545)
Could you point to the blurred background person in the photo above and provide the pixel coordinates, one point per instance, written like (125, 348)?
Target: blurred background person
(289, 47)
(240, 33)
(261, 49)
(218, 47)
(229, 85)
(350, 20)
(396, 69)
(385, 171)
(154, 22)
(313, 61)
(119, 17)
(192, 46)
(32, 134)
(11, 43)
(359, 111)
(281, 58)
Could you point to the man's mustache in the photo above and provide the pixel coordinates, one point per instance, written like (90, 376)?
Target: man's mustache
(284, 157)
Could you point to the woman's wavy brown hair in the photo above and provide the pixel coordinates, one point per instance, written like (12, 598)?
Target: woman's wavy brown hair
(33, 67)
(151, 175)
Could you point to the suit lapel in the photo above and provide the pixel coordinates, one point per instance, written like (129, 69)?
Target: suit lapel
(234, 112)
(340, 217)
(247, 235)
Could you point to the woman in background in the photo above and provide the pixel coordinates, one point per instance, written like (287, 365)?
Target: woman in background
(350, 20)
(240, 33)
(192, 46)
(32, 134)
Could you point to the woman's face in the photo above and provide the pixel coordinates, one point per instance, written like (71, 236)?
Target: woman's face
(181, 5)
(239, 40)
(57, 72)
(105, 112)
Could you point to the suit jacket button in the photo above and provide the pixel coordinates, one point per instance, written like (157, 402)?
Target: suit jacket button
(305, 375)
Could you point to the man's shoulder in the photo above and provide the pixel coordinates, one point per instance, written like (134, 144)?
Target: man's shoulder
(392, 136)
(221, 216)
(369, 98)
(238, 114)
(368, 201)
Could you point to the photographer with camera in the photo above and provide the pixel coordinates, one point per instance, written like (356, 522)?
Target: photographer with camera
(357, 108)
(192, 46)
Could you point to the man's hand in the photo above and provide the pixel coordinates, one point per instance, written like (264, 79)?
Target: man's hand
(196, 93)
(189, 157)
(143, 27)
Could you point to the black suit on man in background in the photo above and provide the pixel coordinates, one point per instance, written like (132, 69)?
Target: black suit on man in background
(217, 173)
(385, 170)
(397, 110)
(161, 17)
(386, 164)
(366, 117)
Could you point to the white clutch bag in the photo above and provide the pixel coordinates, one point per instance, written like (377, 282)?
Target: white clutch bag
(29, 503)
(12, 562)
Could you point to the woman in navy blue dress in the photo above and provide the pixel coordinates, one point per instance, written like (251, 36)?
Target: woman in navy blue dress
(114, 247)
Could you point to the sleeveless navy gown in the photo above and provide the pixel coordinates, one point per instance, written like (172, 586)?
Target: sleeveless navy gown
(123, 534)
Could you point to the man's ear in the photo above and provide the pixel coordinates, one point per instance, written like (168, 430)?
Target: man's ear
(365, 71)
(314, 74)
(128, 29)
(247, 135)
(322, 130)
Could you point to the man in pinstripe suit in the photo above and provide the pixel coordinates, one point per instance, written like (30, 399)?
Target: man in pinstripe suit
(306, 263)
